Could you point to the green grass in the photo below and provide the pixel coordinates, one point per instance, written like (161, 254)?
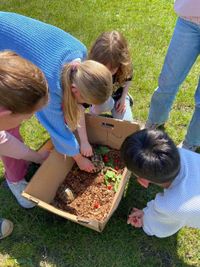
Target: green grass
(43, 239)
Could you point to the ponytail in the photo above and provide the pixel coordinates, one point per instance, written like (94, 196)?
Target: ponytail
(94, 82)
(71, 108)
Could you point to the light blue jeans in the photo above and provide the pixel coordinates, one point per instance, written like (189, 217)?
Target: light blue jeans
(183, 51)
(109, 106)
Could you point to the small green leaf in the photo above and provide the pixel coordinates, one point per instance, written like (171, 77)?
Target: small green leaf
(110, 174)
(116, 186)
(119, 177)
(102, 150)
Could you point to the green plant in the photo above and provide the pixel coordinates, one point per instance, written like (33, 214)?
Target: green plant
(111, 176)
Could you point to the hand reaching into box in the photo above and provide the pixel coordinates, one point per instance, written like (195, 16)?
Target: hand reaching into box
(136, 218)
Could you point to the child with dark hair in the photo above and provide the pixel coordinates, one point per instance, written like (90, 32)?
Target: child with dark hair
(152, 157)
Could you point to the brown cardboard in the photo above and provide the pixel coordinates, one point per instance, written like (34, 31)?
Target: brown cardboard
(44, 184)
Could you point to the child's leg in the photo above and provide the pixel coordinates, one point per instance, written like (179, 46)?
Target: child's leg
(105, 107)
(193, 134)
(15, 170)
(127, 115)
(182, 53)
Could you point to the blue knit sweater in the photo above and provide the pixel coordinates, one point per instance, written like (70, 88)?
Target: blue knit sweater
(49, 48)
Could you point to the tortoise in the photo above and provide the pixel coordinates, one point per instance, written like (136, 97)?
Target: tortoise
(97, 160)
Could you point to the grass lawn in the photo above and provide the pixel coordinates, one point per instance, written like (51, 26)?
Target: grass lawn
(43, 239)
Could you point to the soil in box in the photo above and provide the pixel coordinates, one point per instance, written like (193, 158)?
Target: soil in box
(90, 195)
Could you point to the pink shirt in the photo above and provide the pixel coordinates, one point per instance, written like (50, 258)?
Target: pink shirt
(189, 9)
(10, 146)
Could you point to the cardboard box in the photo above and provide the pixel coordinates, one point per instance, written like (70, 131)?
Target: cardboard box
(44, 184)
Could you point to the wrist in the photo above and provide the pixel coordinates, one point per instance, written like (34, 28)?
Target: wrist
(33, 156)
(77, 157)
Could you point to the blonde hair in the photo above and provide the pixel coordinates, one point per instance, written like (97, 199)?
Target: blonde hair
(93, 80)
(111, 48)
(23, 87)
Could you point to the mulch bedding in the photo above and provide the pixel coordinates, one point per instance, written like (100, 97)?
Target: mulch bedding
(92, 195)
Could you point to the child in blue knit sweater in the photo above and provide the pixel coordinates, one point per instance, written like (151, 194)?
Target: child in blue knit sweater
(72, 81)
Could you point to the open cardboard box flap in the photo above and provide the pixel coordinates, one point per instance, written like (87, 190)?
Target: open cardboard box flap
(44, 184)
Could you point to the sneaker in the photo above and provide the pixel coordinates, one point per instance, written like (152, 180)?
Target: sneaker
(6, 228)
(154, 126)
(17, 188)
(193, 148)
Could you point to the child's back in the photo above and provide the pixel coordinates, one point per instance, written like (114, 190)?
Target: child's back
(178, 205)
(153, 158)
(44, 45)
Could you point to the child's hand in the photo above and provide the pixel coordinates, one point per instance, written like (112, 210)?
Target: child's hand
(121, 105)
(41, 156)
(83, 163)
(136, 218)
(86, 149)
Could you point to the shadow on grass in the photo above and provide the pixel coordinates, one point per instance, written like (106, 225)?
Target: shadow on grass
(43, 239)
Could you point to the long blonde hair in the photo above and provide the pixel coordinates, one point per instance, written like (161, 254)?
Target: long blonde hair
(23, 87)
(111, 48)
(94, 82)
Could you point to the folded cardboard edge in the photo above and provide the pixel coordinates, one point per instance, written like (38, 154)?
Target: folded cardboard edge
(95, 225)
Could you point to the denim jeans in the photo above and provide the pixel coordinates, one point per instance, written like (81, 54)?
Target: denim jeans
(183, 51)
(109, 106)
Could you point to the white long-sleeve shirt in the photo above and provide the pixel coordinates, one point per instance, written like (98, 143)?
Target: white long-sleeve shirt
(178, 205)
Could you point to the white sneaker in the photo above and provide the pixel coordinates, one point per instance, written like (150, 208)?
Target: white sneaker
(6, 228)
(16, 189)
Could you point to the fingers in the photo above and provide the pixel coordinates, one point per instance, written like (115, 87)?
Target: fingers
(120, 108)
(90, 167)
(134, 221)
(46, 154)
(42, 156)
(86, 150)
(87, 153)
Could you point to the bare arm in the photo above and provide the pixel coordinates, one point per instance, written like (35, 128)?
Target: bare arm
(120, 105)
(10, 146)
(85, 147)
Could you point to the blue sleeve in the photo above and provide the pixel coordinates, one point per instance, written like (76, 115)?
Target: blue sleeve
(51, 117)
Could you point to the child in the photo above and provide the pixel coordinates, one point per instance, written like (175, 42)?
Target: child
(111, 49)
(23, 91)
(71, 82)
(178, 63)
(153, 158)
